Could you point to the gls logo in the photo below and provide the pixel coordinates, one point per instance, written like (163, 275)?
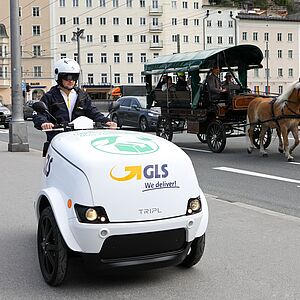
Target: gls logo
(149, 172)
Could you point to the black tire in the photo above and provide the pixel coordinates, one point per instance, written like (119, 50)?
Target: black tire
(164, 128)
(202, 138)
(216, 136)
(143, 124)
(267, 137)
(195, 253)
(6, 125)
(116, 120)
(52, 250)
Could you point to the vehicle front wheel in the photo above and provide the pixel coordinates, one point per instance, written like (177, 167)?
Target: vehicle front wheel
(143, 124)
(216, 136)
(52, 250)
(267, 138)
(195, 252)
(202, 138)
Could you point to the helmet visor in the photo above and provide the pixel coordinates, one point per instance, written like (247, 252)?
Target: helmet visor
(69, 76)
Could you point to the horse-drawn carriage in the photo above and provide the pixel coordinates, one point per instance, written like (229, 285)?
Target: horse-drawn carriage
(193, 109)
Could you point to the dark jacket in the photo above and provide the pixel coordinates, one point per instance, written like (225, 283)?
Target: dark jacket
(214, 86)
(58, 108)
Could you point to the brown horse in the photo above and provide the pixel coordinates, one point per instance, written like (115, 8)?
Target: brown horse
(281, 113)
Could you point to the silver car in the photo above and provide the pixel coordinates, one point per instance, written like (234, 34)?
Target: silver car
(133, 112)
(5, 116)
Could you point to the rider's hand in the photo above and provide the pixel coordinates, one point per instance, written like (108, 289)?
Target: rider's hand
(111, 125)
(46, 126)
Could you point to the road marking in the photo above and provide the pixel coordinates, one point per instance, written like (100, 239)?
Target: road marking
(4, 131)
(293, 162)
(250, 173)
(198, 150)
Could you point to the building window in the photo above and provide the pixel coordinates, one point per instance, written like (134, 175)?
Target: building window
(244, 36)
(62, 20)
(255, 36)
(103, 78)
(279, 53)
(230, 40)
(115, 21)
(154, 3)
(103, 58)
(230, 24)
(185, 22)
(197, 39)
(290, 72)
(143, 58)
(174, 38)
(90, 78)
(89, 20)
(280, 72)
(196, 22)
(62, 3)
(89, 38)
(280, 89)
(290, 53)
(266, 36)
(102, 3)
(255, 73)
(116, 58)
(208, 23)
(279, 37)
(35, 11)
(116, 38)
(75, 56)
(90, 58)
(143, 38)
(128, 3)
(220, 40)
(75, 3)
(36, 50)
(88, 3)
(142, 3)
(130, 78)
(37, 71)
(115, 3)
(290, 37)
(117, 78)
(63, 38)
(184, 4)
(196, 5)
(129, 38)
(130, 57)
(102, 38)
(155, 55)
(36, 30)
(173, 4)
(63, 55)
(155, 39)
(267, 54)
(75, 21)
(208, 40)
(102, 21)
(174, 21)
(143, 78)
(267, 73)
(220, 24)
(129, 21)
(20, 30)
(185, 38)
(142, 21)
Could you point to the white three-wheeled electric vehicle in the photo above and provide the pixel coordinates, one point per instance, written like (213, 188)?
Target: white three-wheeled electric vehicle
(122, 198)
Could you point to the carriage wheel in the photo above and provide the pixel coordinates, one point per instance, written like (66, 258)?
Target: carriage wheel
(267, 137)
(164, 128)
(216, 136)
(202, 138)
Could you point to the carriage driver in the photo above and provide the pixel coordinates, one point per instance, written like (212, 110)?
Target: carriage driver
(214, 84)
(65, 101)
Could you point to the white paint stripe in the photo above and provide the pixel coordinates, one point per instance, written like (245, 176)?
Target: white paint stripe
(250, 173)
(293, 162)
(4, 131)
(198, 150)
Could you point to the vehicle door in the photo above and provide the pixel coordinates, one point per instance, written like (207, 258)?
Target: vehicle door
(123, 111)
(134, 112)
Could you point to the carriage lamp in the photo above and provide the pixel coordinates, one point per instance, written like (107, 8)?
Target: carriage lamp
(95, 215)
(194, 206)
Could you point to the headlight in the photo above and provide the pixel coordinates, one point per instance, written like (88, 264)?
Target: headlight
(6, 112)
(151, 114)
(194, 206)
(86, 214)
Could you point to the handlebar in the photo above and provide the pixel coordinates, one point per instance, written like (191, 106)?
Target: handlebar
(70, 127)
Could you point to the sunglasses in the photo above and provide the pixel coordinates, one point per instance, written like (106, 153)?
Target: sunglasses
(73, 77)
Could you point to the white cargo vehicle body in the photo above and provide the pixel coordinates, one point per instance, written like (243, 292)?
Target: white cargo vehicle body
(121, 198)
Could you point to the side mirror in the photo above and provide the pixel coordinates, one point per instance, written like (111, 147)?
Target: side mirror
(40, 107)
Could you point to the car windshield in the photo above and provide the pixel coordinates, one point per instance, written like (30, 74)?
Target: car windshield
(143, 102)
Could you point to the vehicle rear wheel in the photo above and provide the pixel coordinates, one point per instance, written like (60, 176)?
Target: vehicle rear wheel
(267, 137)
(202, 138)
(216, 136)
(116, 120)
(195, 252)
(164, 128)
(52, 250)
(143, 124)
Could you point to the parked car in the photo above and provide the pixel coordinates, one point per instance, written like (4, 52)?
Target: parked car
(133, 112)
(28, 110)
(5, 115)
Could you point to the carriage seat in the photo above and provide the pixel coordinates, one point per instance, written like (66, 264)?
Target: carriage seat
(181, 99)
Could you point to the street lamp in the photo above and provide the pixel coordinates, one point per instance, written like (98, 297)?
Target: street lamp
(77, 35)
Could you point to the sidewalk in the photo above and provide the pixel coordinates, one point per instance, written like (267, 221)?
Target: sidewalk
(250, 253)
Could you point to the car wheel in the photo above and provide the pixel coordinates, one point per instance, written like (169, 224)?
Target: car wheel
(52, 250)
(143, 124)
(6, 125)
(195, 252)
(116, 120)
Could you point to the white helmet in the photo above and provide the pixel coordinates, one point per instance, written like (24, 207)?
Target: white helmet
(66, 66)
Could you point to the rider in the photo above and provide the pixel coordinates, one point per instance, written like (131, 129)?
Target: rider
(65, 101)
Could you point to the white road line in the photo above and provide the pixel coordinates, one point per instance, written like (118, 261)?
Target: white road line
(4, 131)
(250, 173)
(293, 162)
(198, 150)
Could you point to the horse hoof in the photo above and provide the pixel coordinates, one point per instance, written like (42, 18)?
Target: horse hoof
(280, 150)
(249, 151)
(291, 159)
(265, 154)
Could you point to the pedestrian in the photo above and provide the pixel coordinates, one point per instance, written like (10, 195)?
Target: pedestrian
(65, 101)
